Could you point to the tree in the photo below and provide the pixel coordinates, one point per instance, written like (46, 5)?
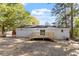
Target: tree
(8, 16)
(76, 22)
(47, 24)
(66, 12)
(60, 11)
(11, 15)
(72, 20)
(30, 20)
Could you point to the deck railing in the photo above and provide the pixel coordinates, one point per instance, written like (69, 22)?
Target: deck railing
(47, 35)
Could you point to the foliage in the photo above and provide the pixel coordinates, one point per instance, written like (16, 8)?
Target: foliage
(32, 21)
(63, 13)
(76, 32)
(13, 15)
(76, 22)
(47, 24)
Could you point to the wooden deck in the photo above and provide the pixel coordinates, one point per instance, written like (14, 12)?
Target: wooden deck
(49, 35)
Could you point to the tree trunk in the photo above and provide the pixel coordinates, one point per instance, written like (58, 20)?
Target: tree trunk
(71, 20)
(3, 30)
(65, 18)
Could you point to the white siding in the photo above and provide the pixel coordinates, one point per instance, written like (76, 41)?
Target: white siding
(23, 32)
(0, 33)
(61, 35)
(26, 32)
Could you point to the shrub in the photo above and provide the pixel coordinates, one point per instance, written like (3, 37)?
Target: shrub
(76, 32)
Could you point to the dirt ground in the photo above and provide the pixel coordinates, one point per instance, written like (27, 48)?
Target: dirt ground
(22, 47)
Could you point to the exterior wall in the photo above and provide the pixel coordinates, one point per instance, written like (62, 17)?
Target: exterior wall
(23, 32)
(0, 33)
(50, 32)
(36, 33)
(58, 34)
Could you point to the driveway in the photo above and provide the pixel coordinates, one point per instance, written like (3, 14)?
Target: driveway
(22, 47)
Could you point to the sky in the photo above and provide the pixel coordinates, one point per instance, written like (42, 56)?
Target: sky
(41, 11)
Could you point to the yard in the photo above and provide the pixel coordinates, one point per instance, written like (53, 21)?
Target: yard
(22, 47)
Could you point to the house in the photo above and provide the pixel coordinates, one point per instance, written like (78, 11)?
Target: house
(41, 31)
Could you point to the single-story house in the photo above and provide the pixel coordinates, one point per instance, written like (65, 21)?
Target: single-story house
(43, 32)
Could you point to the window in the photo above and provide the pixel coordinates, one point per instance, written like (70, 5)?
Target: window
(42, 32)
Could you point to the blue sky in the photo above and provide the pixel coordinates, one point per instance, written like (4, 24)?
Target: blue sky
(41, 11)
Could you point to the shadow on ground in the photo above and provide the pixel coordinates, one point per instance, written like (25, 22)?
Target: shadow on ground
(20, 46)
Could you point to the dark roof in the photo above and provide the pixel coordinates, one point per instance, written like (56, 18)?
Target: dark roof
(39, 26)
(35, 26)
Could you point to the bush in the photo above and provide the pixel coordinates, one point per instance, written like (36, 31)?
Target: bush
(76, 32)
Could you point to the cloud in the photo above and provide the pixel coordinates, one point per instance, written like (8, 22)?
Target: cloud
(24, 4)
(43, 15)
(39, 12)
